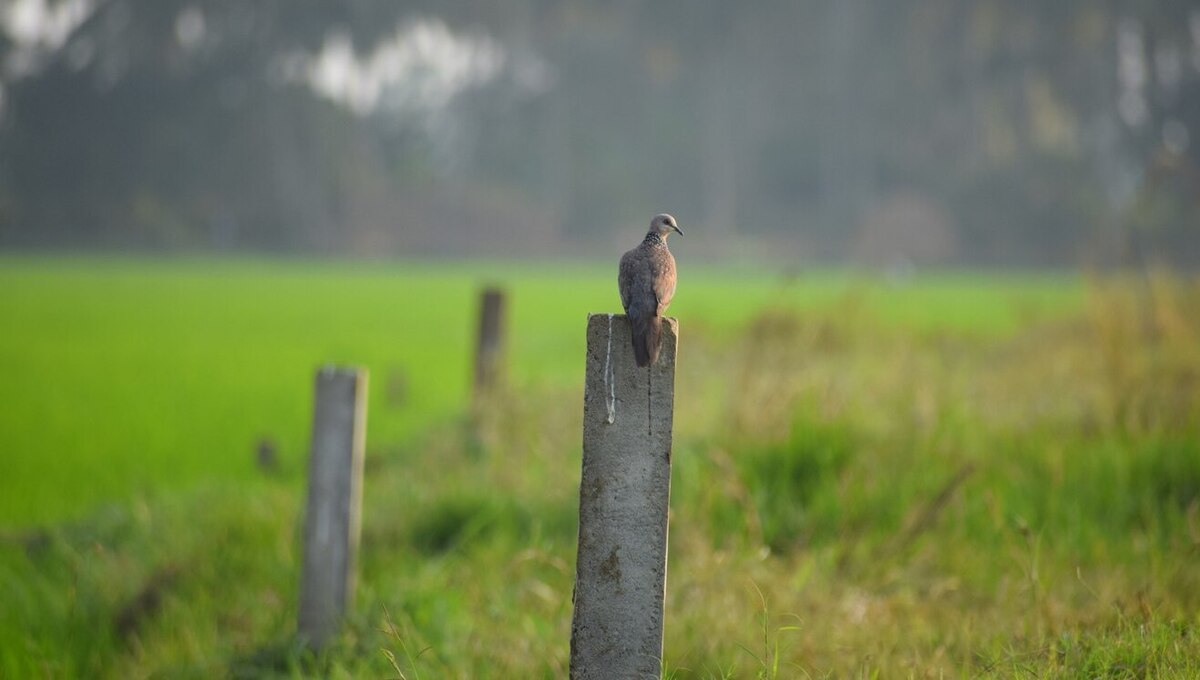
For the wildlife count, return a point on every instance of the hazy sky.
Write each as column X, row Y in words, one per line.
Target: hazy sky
column 36, row 23
column 422, row 67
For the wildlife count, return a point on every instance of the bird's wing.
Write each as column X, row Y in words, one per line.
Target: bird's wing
column 663, row 276
column 626, row 276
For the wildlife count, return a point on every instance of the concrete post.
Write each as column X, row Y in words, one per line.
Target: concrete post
column 624, row 491
column 489, row 348
column 332, row 519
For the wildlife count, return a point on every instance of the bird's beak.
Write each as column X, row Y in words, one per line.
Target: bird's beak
column 677, row 229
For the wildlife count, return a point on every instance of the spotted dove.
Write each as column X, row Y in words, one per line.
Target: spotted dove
column 646, row 280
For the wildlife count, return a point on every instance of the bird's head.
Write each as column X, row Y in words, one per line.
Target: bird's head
column 663, row 225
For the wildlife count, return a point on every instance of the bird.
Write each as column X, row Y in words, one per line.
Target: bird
column 646, row 281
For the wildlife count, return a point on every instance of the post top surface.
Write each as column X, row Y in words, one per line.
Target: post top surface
column 668, row 320
column 336, row 369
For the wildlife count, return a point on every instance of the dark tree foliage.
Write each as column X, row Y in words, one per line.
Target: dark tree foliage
column 999, row 132
column 126, row 137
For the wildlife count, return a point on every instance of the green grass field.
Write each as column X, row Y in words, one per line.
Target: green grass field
column 957, row 475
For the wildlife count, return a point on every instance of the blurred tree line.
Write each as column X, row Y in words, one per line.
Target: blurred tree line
column 1005, row 132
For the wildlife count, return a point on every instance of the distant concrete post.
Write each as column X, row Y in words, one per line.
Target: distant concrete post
column 624, row 492
column 332, row 519
column 489, row 348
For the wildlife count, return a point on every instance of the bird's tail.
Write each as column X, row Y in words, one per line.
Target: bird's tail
column 647, row 338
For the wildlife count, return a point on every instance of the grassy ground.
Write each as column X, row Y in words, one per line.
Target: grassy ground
column 956, row 476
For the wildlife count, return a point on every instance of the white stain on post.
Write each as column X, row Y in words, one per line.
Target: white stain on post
column 332, row 517
column 609, row 382
column 624, row 493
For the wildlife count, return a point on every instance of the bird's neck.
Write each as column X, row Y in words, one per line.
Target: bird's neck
column 655, row 239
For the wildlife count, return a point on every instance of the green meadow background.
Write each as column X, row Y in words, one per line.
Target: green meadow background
column 127, row 377
column 946, row 474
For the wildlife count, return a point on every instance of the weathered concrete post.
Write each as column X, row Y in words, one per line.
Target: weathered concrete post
column 332, row 519
column 624, row 492
column 489, row 347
